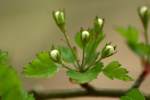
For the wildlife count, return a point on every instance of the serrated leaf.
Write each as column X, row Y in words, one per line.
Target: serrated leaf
column 10, row 84
column 41, row 66
column 140, row 49
column 114, row 71
column 131, row 34
column 85, row 77
column 66, row 54
column 134, row 94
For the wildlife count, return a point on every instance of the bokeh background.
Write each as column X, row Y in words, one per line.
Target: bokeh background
column 27, row 27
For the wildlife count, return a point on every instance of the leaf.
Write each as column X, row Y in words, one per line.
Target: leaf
column 140, row 49
column 66, row 54
column 131, row 34
column 114, row 70
column 10, row 84
column 41, row 66
column 134, row 94
column 17, row 94
column 91, row 47
column 87, row 76
column 78, row 39
column 3, row 57
column 96, row 36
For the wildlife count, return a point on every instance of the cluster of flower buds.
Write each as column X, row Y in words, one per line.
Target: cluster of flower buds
column 144, row 14
column 59, row 17
column 55, row 55
column 108, row 50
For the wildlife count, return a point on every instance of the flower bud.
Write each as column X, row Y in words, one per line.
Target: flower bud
column 108, row 50
column 85, row 36
column 98, row 24
column 59, row 17
column 55, row 55
column 143, row 10
column 144, row 15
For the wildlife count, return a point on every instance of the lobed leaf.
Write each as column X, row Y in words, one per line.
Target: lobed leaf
column 114, row 71
column 140, row 49
column 41, row 66
column 87, row 76
column 131, row 34
column 10, row 84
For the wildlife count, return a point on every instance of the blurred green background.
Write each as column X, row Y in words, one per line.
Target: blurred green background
column 27, row 27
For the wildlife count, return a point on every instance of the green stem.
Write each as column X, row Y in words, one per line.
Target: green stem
column 146, row 36
column 63, row 65
column 83, row 58
column 146, row 39
column 69, row 45
column 98, row 60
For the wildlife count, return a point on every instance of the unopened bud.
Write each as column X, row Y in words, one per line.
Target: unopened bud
column 59, row 17
column 108, row 50
column 98, row 24
column 143, row 10
column 55, row 55
column 144, row 15
column 85, row 35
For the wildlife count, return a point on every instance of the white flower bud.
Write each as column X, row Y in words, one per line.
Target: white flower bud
column 59, row 17
column 110, row 49
column 143, row 10
column 100, row 21
column 55, row 55
column 85, row 35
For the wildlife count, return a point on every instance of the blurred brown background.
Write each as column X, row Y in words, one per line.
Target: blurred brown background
column 27, row 27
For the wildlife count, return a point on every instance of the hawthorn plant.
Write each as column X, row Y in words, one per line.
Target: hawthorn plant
column 82, row 70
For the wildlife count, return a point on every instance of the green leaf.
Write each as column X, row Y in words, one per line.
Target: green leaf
column 87, row 76
column 78, row 39
column 131, row 34
column 17, row 94
column 66, row 54
column 10, row 83
column 140, row 49
column 114, row 70
column 41, row 66
column 91, row 47
column 3, row 57
column 134, row 94
column 96, row 36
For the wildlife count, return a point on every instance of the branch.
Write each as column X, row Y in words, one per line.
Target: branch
column 73, row 93
column 140, row 80
column 142, row 76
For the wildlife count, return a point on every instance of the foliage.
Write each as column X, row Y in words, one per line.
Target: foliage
column 133, row 94
column 131, row 34
column 41, row 66
column 79, row 70
column 89, row 67
column 114, row 70
column 10, row 83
